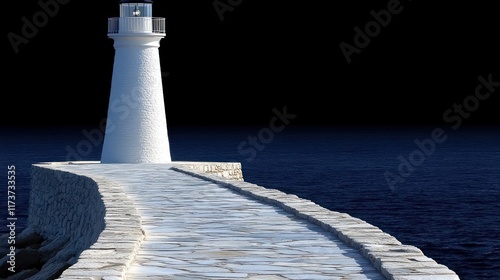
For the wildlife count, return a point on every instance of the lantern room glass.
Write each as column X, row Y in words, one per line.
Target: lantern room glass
column 136, row 10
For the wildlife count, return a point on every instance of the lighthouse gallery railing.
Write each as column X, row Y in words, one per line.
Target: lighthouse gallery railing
column 136, row 25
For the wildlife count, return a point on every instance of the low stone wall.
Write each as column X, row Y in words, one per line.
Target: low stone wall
column 227, row 170
column 63, row 203
column 390, row 257
column 100, row 221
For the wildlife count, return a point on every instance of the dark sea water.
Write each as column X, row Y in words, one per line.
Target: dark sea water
column 448, row 204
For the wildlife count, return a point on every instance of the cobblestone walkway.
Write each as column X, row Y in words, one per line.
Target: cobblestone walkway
column 196, row 229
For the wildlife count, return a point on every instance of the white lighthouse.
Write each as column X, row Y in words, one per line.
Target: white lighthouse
column 136, row 130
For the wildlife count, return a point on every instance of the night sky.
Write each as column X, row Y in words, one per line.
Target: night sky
column 234, row 66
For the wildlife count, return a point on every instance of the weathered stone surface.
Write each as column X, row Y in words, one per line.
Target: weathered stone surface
column 53, row 258
column 27, row 259
column 51, row 247
column 81, row 209
column 227, row 170
column 190, row 246
column 29, row 240
column 377, row 246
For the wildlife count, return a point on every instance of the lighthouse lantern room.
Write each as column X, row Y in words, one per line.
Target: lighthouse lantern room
column 136, row 9
column 136, row 17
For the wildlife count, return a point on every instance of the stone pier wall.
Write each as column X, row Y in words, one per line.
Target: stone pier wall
column 63, row 203
column 90, row 221
column 102, row 233
column 227, row 170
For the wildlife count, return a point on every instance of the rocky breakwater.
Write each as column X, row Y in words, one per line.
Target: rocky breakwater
column 66, row 217
column 32, row 253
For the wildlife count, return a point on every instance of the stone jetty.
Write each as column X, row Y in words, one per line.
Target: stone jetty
column 188, row 220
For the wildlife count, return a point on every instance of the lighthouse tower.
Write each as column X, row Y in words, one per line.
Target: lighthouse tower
column 136, row 130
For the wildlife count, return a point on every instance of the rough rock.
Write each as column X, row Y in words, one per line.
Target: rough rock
column 27, row 258
column 25, row 274
column 37, row 258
